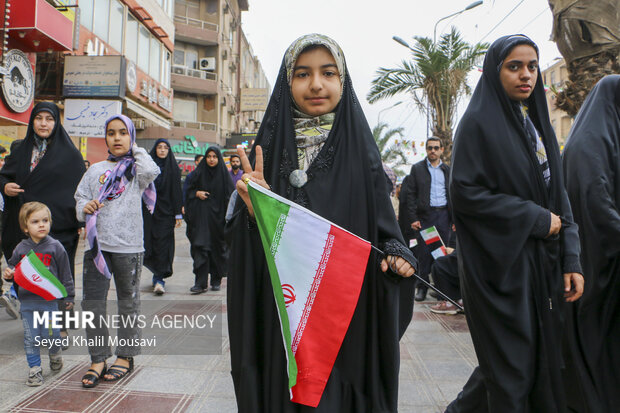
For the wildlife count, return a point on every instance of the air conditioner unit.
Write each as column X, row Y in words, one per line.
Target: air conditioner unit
column 207, row 63
column 178, row 70
column 140, row 124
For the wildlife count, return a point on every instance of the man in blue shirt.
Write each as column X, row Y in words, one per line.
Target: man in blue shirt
column 427, row 204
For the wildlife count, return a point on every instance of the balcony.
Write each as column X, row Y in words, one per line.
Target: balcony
column 202, row 131
column 195, row 31
column 188, row 80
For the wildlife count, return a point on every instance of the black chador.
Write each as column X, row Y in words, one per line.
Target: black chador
column 511, row 271
column 346, row 185
column 592, row 174
column 206, row 219
column 159, row 227
column 52, row 181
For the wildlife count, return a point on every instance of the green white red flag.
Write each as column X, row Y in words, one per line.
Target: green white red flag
column 317, row 270
column 430, row 235
column 32, row 275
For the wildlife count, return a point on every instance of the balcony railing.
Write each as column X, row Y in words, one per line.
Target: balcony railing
column 195, row 125
column 200, row 74
column 200, row 24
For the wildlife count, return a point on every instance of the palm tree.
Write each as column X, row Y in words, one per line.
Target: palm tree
column 391, row 153
column 436, row 75
column 587, row 34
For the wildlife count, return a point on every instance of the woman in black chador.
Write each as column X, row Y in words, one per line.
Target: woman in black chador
column 205, row 212
column 592, row 174
column 159, row 227
column 46, row 167
column 320, row 153
column 518, row 248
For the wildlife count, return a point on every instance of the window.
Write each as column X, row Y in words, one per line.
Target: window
column 131, row 40
column 117, row 17
column 143, row 49
column 191, row 59
column 155, row 59
column 86, row 13
column 185, row 110
column 165, row 73
column 187, row 8
column 179, row 57
column 102, row 22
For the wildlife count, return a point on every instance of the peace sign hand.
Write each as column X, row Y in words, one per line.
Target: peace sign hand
column 253, row 175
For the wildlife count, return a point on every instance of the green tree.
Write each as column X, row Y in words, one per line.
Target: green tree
column 391, row 154
column 436, row 78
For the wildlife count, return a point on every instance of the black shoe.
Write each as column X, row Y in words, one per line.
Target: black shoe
column 197, row 290
column 421, row 294
column 434, row 294
column 215, row 288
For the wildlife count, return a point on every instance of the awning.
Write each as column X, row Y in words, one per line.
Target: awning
column 148, row 114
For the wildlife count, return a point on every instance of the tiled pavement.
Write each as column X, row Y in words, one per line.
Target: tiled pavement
column 436, row 359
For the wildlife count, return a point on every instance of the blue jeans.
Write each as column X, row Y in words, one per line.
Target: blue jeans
column 33, row 335
column 158, row 279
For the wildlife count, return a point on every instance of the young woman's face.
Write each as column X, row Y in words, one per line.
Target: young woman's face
column 315, row 84
column 212, row 159
column 43, row 124
column 162, row 150
column 117, row 138
column 519, row 72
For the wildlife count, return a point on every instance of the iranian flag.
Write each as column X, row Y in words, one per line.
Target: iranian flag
column 32, row 275
column 430, row 235
column 317, row 270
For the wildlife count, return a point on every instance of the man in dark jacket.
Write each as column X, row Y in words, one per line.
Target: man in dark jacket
column 426, row 192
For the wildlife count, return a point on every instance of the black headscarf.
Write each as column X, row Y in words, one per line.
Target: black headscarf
column 346, row 185
column 511, row 274
column 168, row 182
column 53, row 181
column 592, row 171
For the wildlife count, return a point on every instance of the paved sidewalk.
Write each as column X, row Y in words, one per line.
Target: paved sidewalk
column 437, row 357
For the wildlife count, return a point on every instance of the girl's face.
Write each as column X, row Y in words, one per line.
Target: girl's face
column 212, row 159
column 519, row 72
column 315, row 84
column 162, row 150
column 117, row 138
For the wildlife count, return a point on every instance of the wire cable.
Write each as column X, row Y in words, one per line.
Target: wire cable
column 501, row 21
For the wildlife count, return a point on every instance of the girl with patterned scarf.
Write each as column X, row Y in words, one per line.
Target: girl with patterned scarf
column 109, row 198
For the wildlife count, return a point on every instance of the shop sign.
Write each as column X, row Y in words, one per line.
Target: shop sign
column 189, row 147
column 94, row 76
column 150, row 92
column 254, row 99
column 86, row 117
column 18, row 81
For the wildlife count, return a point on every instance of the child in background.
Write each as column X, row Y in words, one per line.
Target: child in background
column 109, row 198
column 35, row 219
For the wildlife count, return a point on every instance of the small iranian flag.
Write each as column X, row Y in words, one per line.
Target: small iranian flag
column 430, row 235
column 32, row 275
column 316, row 270
column 439, row 252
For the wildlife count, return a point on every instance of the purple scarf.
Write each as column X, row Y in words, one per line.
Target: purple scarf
column 121, row 175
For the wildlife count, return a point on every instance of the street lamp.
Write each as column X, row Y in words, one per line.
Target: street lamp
column 471, row 6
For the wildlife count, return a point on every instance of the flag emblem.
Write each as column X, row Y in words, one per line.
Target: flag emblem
column 32, row 275
column 289, row 294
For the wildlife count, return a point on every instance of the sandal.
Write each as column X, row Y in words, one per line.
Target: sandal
column 93, row 376
column 118, row 371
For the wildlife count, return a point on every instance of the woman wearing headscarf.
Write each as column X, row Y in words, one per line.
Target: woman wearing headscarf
column 159, row 227
column 592, row 174
column 318, row 152
column 47, row 168
column 518, row 248
column 205, row 212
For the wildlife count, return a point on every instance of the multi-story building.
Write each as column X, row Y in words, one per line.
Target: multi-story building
column 208, row 73
column 554, row 77
column 31, row 29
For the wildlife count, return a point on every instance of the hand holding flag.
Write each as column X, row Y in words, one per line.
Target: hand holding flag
column 31, row 274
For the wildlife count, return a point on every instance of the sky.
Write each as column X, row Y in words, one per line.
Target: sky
column 364, row 30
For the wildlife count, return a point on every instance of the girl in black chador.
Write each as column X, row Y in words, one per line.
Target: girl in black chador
column 592, row 174
column 205, row 212
column 159, row 227
column 319, row 152
column 518, row 248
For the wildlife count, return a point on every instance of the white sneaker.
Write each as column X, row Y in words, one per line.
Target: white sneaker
column 10, row 304
column 159, row 289
column 35, row 377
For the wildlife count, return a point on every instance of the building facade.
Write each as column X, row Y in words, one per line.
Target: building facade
column 210, row 67
column 555, row 76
